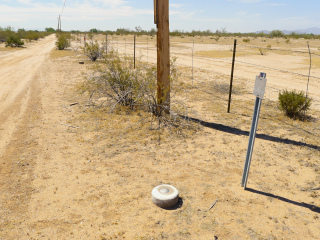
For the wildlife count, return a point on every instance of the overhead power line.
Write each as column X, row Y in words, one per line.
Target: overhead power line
column 63, row 7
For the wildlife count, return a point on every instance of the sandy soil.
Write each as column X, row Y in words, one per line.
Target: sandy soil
column 215, row 57
column 73, row 172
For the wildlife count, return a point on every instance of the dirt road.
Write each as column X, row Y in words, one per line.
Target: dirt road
column 19, row 96
column 17, row 85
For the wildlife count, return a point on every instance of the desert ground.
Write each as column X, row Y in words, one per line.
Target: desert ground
column 72, row 171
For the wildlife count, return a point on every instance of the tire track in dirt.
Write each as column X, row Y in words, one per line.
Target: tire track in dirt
column 19, row 108
column 16, row 74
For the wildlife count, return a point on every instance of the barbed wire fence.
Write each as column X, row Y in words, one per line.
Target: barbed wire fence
column 258, row 66
column 301, row 75
column 269, row 100
column 146, row 47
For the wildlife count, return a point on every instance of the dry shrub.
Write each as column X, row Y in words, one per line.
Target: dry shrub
column 93, row 51
column 117, row 86
column 262, row 51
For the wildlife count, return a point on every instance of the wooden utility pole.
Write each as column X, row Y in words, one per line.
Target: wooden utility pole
column 58, row 24
column 163, row 55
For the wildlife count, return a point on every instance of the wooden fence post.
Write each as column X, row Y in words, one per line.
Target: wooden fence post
column 163, row 55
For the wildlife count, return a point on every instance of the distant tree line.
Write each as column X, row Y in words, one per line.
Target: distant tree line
column 15, row 38
column 218, row 33
column 9, row 33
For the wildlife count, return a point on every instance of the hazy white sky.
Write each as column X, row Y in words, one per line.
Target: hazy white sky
column 234, row 15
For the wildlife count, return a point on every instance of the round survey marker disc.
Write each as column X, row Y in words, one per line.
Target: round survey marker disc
column 165, row 196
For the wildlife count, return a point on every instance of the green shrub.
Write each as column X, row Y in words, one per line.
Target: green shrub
column 92, row 50
column 63, row 41
column 8, row 32
column 30, row 35
column 5, row 33
column 35, row 36
column 246, row 40
column 2, row 36
column 293, row 103
column 14, row 41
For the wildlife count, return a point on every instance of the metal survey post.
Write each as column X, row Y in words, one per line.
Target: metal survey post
column 232, row 72
column 258, row 91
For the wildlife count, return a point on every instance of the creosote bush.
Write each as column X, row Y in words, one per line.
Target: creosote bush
column 115, row 80
column 92, row 50
column 14, row 41
column 293, row 103
column 115, row 84
column 63, row 41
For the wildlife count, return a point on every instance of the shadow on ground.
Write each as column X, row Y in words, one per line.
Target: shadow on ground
column 300, row 204
column 177, row 206
column 237, row 131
